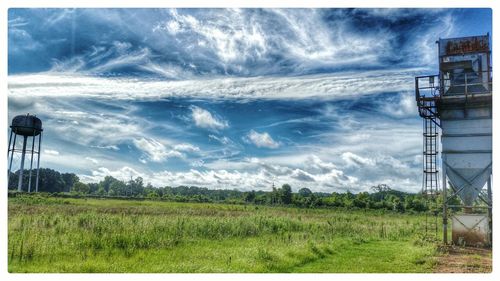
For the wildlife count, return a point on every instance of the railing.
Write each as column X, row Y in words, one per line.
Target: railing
column 426, row 87
column 453, row 84
column 466, row 83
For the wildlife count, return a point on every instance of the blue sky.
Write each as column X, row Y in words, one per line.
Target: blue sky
column 238, row 98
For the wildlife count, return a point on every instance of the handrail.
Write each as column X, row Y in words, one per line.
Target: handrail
column 466, row 83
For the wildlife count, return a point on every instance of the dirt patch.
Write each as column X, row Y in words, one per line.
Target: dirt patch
column 469, row 238
column 453, row 259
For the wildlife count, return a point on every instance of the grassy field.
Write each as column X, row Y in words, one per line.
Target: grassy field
column 102, row 235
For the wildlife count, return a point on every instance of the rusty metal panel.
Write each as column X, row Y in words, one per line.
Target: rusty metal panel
column 470, row 229
column 464, row 45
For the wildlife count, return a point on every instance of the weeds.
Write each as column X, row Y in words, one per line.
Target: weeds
column 43, row 229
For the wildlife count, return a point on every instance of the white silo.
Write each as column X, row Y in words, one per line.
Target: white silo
column 459, row 101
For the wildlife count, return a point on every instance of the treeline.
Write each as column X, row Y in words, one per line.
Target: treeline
column 381, row 197
column 49, row 180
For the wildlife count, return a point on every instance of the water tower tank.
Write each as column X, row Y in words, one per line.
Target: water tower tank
column 26, row 125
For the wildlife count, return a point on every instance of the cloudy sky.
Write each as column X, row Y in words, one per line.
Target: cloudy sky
column 231, row 98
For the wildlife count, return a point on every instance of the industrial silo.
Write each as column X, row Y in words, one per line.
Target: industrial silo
column 459, row 101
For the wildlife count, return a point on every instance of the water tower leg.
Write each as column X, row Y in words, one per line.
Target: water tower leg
column 38, row 161
column 8, row 151
column 10, row 141
column 20, row 182
column 445, row 206
column 31, row 163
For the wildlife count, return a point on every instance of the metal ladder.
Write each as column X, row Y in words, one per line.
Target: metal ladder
column 430, row 151
column 430, row 182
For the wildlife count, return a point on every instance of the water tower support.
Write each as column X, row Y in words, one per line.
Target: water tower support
column 38, row 162
column 23, row 154
column 11, row 156
column 31, row 164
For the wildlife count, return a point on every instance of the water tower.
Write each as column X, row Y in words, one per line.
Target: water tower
column 459, row 101
column 29, row 127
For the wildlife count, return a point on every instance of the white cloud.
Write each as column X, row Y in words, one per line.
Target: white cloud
column 366, row 135
column 403, row 105
column 100, row 60
column 186, row 147
column 124, row 174
column 315, row 164
column 204, row 119
column 154, row 150
column 223, row 140
column 355, row 160
column 231, row 36
column 93, row 160
column 261, row 178
column 262, row 139
column 51, row 152
column 331, row 44
column 324, row 86
column 301, row 170
column 197, row 163
column 111, row 147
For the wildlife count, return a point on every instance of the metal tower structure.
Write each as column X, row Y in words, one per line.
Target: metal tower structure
column 459, row 101
column 29, row 127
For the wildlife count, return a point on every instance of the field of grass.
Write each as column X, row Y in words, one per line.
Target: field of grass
column 102, row 235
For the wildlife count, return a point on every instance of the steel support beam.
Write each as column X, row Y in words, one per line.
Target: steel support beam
column 445, row 205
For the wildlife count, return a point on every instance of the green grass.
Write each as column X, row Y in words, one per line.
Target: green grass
column 92, row 235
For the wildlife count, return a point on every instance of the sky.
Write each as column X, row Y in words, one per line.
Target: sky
column 231, row 98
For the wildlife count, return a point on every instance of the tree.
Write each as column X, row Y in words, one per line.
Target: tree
column 117, row 188
column 274, row 196
column 135, row 187
column 398, row 206
column 69, row 181
column 249, row 196
column 100, row 191
column 305, row 192
column 106, row 183
column 361, row 200
column 381, row 191
column 416, row 203
column 381, row 188
column 80, row 187
column 94, row 187
column 286, row 194
column 152, row 195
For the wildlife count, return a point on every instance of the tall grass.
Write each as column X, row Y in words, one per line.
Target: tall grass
column 43, row 230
